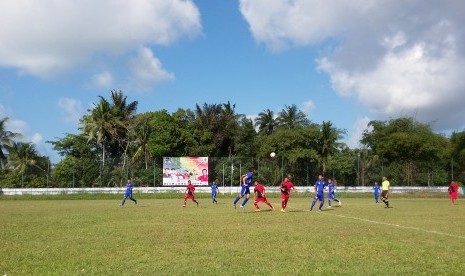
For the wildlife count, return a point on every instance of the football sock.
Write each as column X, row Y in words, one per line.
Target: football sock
column 313, row 204
column 237, row 199
column 245, row 201
column 321, row 205
column 122, row 202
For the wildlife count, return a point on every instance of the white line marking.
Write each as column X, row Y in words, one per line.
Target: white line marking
column 401, row 226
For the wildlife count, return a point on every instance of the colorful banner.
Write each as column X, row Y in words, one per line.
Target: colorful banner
column 177, row 170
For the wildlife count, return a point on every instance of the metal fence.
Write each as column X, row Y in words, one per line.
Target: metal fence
column 113, row 172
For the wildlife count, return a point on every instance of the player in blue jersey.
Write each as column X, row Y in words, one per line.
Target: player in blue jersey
column 376, row 190
column 128, row 192
column 320, row 185
column 214, row 192
column 247, row 180
column 331, row 193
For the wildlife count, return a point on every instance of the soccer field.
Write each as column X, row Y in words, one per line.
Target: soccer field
column 159, row 237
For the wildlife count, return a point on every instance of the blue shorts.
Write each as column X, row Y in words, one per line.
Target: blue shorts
column 213, row 194
column 245, row 190
column 320, row 197
column 128, row 194
column 331, row 196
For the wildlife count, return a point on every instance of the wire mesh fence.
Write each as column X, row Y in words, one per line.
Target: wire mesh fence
column 113, row 172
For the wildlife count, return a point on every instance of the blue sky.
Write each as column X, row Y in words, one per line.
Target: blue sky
column 347, row 62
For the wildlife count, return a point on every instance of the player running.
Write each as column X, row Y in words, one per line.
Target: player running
column 128, row 192
column 320, row 185
column 286, row 187
column 190, row 193
column 214, row 192
column 245, row 190
column 376, row 189
column 259, row 196
column 331, row 193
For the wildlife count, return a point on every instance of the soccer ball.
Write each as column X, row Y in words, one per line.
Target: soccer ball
column 272, row 154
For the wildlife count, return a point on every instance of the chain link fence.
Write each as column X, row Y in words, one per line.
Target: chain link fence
column 113, row 172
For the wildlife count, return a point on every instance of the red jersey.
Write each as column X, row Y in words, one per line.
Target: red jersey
column 203, row 178
column 286, row 187
column 453, row 188
column 190, row 189
column 260, row 190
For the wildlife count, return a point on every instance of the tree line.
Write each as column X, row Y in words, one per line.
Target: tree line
column 114, row 141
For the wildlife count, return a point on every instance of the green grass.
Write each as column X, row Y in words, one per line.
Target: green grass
column 423, row 236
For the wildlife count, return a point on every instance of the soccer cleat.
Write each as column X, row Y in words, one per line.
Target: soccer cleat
column 340, row 203
column 184, row 206
column 234, row 206
column 328, row 207
column 258, row 210
column 283, row 211
column 242, row 207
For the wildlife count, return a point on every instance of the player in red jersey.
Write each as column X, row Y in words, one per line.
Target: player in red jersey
column 190, row 193
column 286, row 187
column 259, row 192
column 453, row 192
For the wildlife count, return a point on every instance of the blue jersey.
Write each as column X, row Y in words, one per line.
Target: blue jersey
column 248, row 179
column 376, row 189
column 129, row 187
column 331, row 188
column 320, row 186
column 214, row 188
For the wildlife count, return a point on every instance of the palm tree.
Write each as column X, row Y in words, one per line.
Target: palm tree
column 6, row 140
column 142, row 134
column 100, row 124
column 327, row 142
column 217, row 125
column 21, row 156
column 290, row 117
column 266, row 122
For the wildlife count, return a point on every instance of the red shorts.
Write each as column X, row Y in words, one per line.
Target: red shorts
column 189, row 196
column 261, row 199
column 454, row 195
column 284, row 196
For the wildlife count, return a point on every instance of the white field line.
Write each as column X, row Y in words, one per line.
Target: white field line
column 399, row 226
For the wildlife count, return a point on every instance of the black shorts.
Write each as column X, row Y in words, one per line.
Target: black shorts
column 384, row 194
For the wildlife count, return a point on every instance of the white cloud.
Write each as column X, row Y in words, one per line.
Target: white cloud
column 396, row 58
column 103, row 79
column 72, row 109
column 36, row 139
column 17, row 126
column 353, row 141
column 147, row 70
column 43, row 38
column 307, row 107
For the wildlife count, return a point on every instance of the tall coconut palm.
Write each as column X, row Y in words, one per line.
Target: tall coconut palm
column 142, row 133
column 230, row 121
column 266, row 122
column 21, row 156
column 291, row 117
column 7, row 139
column 100, row 124
column 328, row 142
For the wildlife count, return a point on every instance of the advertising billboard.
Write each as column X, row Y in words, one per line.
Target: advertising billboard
column 177, row 170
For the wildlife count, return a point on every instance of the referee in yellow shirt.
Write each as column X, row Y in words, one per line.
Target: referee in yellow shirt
column 385, row 191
